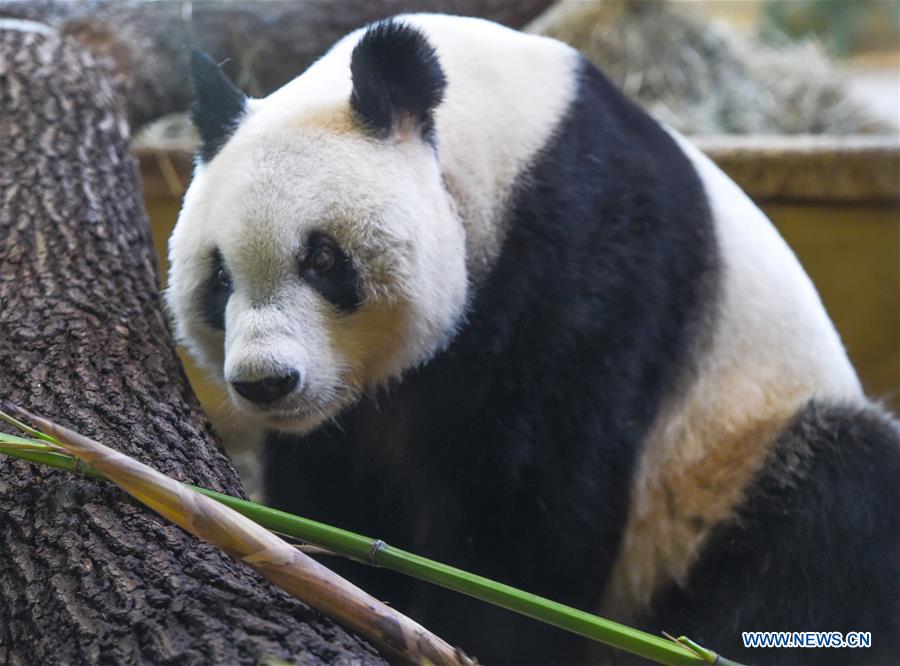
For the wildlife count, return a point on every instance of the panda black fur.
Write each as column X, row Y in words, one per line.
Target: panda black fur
column 633, row 402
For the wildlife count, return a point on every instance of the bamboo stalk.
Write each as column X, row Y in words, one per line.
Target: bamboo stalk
column 248, row 542
column 676, row 652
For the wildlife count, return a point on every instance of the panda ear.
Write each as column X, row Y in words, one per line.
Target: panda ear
column 397, row 80
column 218, row 105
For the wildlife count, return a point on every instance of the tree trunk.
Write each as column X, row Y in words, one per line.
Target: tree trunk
column 86, row 574
column 143, row 44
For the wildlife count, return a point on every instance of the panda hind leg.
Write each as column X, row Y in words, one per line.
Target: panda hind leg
column 815, row 547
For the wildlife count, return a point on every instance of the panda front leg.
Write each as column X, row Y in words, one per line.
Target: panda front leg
column 814, row 546
column 317, row 477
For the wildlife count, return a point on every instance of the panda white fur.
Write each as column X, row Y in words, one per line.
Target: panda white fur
column 494, row 313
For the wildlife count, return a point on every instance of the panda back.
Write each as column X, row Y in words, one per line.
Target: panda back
column 769, row 350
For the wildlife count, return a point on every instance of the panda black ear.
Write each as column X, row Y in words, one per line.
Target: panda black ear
column 397, row 80
column 218, row 105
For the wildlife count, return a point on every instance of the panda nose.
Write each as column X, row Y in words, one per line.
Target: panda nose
column 268, row 389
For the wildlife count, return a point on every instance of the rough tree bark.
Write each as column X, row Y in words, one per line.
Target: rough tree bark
column 143, row 44
column 86, row 575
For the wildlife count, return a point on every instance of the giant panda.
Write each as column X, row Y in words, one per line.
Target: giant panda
column 490, row 311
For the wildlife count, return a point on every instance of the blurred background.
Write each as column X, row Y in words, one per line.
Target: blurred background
column 797, row 100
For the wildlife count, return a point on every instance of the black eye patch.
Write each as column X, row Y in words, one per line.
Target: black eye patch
column 215, row 292
column 328, row 269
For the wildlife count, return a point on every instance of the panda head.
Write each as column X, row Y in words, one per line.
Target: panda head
column 317, row 254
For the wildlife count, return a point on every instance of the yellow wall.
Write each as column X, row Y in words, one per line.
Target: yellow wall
column 852, row 254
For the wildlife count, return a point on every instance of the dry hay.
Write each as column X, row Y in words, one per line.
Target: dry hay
column 703, row 78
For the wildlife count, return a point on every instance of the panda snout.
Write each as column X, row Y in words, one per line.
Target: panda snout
column 268, row 389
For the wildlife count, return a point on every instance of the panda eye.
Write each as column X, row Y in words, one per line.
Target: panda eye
column 328, row 269
column 323, row 258
column 213, row 295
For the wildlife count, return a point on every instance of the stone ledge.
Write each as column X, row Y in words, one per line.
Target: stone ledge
column 819, row 168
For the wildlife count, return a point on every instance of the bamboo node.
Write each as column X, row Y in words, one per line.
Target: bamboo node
column 377, row 546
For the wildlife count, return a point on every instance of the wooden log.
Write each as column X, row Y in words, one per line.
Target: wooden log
column 87, row 575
